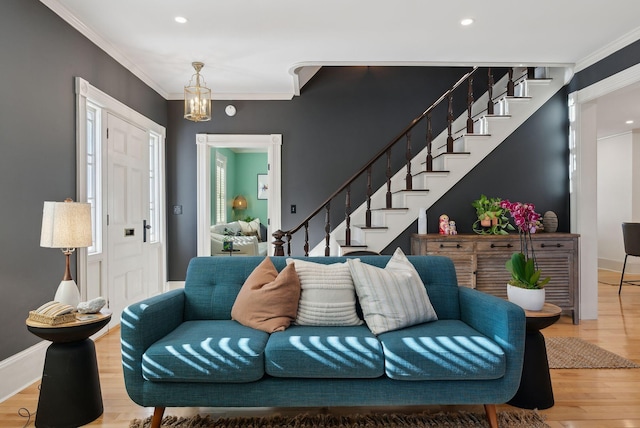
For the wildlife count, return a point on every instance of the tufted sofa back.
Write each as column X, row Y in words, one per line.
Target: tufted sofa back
column 213, row 283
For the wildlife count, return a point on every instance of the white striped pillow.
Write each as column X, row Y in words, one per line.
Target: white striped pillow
column 327, row 294
column 393, row 297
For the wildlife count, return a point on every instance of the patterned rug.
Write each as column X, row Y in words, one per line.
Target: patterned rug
column 516, row 419
column 574, row 353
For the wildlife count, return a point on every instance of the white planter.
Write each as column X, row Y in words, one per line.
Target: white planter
column 529, row 299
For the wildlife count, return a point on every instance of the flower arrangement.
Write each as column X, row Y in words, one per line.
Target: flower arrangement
column 524, row 269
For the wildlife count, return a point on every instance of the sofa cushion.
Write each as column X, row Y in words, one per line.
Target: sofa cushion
column 393, row 297
column 327, row 296
column 268, row 300
column 442, row 350
column 207, row 351
column 324, row 352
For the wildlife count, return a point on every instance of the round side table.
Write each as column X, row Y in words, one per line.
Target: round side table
column 535, row 391
column 70, row 393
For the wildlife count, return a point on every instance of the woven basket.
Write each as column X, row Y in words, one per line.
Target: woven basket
column 49, row 320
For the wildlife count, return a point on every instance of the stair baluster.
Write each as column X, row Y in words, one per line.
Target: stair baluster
column 511, row 87
column 369, row 194
column 389, row 175
column 469, row 105
column 347, row 214
column 327, row 230
column 450, row 123
column 429, row 164
column 490, row 84
column 408, row 178
column 306, row 239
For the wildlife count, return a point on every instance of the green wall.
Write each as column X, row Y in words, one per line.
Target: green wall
column 248, row 166
column 242, row 179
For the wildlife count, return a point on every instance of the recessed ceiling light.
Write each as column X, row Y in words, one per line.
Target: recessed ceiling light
column 180, row 19
column 629, row 122
column 466, row 21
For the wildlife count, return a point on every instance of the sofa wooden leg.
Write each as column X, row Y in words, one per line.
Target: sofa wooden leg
column 157, row 417
column 492, row 416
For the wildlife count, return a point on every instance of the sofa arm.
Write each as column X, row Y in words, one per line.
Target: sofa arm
column 501, row 321
column 141, row 325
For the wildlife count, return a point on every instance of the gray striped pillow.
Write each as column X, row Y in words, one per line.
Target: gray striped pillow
column 393, row 297
column 327, row 294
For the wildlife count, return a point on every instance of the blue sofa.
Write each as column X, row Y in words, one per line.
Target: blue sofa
column 181, row 348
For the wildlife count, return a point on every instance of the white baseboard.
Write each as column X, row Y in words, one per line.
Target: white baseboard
column 633, row 267
column 21, row 370
column 174, row 285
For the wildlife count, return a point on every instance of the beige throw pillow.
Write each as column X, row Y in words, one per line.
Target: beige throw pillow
column 393, row 297
column 268, row 301
column 327, row 294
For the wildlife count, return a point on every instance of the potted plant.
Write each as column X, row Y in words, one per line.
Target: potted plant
column 491, row 217
column 525, row 288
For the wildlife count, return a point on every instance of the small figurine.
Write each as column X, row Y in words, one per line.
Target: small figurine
column 444, row 224
column 452, row 228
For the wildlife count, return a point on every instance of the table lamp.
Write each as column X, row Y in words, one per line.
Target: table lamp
column 66, row 225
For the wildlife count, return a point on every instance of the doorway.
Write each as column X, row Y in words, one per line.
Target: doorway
column 119, row 160
column 271, row 144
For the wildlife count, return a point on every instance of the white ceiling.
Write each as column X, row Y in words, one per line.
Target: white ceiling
column 252, row 49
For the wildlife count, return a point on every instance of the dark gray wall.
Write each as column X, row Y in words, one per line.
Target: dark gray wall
column 39, row 57
column 607, row 67
column 344, row 116
column 351, row 111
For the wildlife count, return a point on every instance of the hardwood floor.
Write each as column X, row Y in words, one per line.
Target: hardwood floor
column 584, row 398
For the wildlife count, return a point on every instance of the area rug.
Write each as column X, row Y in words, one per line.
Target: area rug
column 574, row 353
column 517, row 419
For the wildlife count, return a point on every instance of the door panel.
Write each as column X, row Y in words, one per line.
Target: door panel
column 127, row 208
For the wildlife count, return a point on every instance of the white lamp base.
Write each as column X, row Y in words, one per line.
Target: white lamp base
column 68, row 293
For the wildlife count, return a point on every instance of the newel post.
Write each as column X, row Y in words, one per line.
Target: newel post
column 278, row 243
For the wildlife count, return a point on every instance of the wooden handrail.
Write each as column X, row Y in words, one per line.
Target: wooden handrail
column 278, row 235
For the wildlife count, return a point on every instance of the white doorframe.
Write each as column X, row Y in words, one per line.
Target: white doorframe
column 583, row 167
column 272, row 143
column 85, row 92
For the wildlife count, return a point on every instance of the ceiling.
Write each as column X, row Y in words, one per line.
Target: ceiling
column 268, row 49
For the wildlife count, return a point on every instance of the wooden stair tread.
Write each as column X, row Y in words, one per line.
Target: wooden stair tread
column 389, row 209
column 410, row 190
column 363, row 227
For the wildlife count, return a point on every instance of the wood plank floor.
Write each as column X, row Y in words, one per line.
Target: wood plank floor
column 584, row 398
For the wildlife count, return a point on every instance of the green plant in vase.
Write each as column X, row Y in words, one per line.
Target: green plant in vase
column 525, row 288
column 492, row 219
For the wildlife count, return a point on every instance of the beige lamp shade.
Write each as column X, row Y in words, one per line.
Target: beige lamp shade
column 66, row 225
column 239, row 203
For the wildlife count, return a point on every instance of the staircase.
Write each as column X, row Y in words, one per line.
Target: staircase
column 428, row 175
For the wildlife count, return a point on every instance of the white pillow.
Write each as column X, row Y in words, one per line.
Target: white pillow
column 251, row 226
column 327, row 294
column 393, row 297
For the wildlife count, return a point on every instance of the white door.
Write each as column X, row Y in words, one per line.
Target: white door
column 127, row 213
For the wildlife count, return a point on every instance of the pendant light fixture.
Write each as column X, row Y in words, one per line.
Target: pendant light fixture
column 197, row 98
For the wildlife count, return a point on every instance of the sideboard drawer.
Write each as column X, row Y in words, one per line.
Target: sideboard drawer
column 498, row 245
column 450, row 246
column 553, row 245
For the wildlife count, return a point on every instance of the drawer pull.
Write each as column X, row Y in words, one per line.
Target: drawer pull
column 450, row 246
column 558, row 245
column 501, row 246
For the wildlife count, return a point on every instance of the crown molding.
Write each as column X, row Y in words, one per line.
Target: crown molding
column 607, row 50
column 96, row 39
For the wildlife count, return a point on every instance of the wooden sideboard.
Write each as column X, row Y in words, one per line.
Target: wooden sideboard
column 480, row 260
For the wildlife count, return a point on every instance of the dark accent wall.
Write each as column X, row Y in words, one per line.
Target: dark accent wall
column 40, row 57
column 531, row 165
column 607, row 67
column 343, row 117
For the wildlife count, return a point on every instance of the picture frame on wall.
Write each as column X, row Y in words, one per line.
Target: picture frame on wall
column 263, row 186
